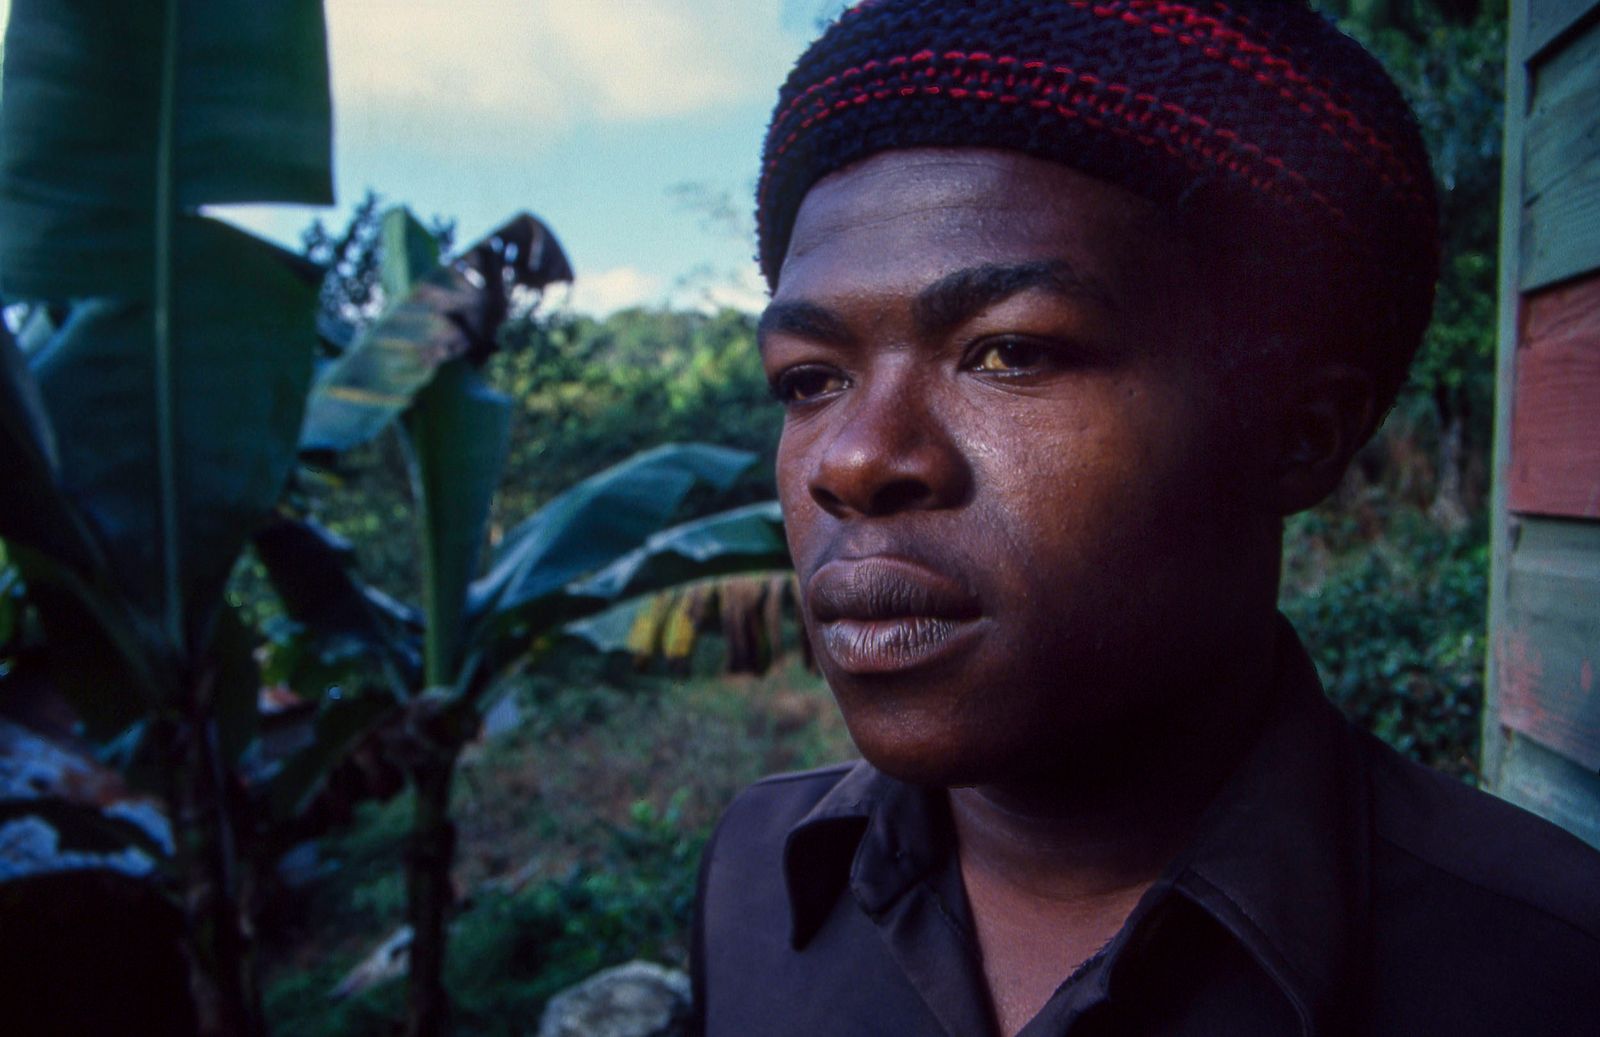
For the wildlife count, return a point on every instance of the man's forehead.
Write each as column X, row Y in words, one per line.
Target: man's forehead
column 972, row 216
column 938, row 186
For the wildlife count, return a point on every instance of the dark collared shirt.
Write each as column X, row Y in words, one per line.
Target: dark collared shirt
column 1334, row 888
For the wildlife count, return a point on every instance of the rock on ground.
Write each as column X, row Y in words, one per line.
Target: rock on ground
column 638, row 999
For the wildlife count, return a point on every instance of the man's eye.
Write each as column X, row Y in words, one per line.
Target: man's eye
column 1010, row 355
column 799, row 384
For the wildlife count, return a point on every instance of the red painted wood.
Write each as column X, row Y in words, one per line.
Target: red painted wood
column 1549, row 697
column 1546, row 648
column 1555, row 422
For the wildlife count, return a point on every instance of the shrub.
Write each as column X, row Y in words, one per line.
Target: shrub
column 1396, row 628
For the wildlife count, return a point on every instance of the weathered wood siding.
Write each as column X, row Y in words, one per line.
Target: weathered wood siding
column 1542, row 724
column 1555, row 416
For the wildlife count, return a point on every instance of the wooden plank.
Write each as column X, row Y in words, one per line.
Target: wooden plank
column 1547, row 20
column 1547, row 655
column 1492, row 743
column 1551, row 786
column 1561, row 176
column 1555, row 417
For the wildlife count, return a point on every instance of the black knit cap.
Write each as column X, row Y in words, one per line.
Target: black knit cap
column 1263, row 101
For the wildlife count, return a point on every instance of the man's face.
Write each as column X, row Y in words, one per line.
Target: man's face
column 1010, row 469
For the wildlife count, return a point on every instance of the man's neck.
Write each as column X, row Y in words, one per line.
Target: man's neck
column 1054, row 863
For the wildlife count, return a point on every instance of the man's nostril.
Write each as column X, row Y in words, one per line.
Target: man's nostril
column 828, row 500
column 900, row 495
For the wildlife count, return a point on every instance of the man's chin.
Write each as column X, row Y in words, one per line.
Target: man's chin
column 927, row 761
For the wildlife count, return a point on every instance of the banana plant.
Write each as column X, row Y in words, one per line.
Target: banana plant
column 152, row 421
column 748, row 611
column 608, row 538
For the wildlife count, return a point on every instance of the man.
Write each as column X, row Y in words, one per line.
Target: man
column 1073, row 302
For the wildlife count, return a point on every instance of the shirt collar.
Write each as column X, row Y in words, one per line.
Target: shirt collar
column 1280, row 860
column 870, row 833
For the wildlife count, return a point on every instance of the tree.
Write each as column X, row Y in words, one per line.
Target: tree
column 352, row 291
column 152, row 421
column 1448, row 57
column 419, row 365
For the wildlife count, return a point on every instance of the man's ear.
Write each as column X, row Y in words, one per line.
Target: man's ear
column 1322, row 422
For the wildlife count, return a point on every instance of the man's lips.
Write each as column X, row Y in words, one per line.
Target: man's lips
column 884, row 614
column 885, row 587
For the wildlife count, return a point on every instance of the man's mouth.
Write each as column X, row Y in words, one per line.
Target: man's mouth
column 884, row 614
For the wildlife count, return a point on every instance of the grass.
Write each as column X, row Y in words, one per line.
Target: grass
column 579, row 839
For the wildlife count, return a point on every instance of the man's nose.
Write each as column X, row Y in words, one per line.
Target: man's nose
column 890, row 453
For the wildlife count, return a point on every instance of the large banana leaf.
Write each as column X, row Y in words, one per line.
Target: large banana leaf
column 595, row 522
column 94, row 652
column 310, row 569
column 236, row 684
column 746, row 539
column 33, row 511
column 740, row 540
column 456, row 431
column 118, row 115
column 342, row 723
column 238, row 366
column 410, row 253
column 435, row 314
column 378, row 375
column 29, row 440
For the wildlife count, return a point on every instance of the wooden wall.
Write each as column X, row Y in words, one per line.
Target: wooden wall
column 1542, row 725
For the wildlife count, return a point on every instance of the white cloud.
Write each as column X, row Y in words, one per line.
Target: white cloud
column 616, row 289
column 634, row 61
column 709, row 291
column 554, row 62
column 426, row 56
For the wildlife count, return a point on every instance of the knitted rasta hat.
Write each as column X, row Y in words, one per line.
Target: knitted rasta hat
column 1261, row 104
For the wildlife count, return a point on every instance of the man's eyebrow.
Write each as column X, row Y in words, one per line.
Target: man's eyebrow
column 956, row 298
column 804, row 320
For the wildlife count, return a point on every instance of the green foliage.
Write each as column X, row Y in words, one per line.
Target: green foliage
column 420, row 362
column 353, row 291
column 144, row 462
column 154, row 408
column 434, row 312
column 174, row 514
column 589, row 393
column 585, row 532
column 1450, row 64
column 1396, row 626
column 512, row 951
column 580, row 835
column 629, row 903
column 165, row 461
column 456, row 434
column 366, row 502
column 594, row 391
column 120, row 116
column 1391, row 603
column 299, row 1007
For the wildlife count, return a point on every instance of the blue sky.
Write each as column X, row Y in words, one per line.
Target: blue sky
column 590, row 113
